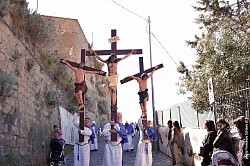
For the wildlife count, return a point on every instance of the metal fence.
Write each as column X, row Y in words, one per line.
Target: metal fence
column 234, row 103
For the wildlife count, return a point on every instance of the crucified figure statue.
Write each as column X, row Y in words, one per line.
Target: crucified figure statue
column 112, row 77
column 143, row 91
column 80, row 84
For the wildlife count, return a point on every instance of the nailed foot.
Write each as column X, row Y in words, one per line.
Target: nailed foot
column 113, row 107
column 81, row 106
column 144, row 115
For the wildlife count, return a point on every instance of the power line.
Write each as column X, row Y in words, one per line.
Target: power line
column 146, row 30
column 165, row 49
column 129, row 10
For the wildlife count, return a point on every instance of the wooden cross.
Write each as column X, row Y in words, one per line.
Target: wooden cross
column 81, row 112
column 141, row 65
column 117, row 52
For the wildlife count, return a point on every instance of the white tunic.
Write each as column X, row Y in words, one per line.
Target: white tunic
column 129, row 145
column 82, row 150
column 94, row 146
column 144, row 149
column 112, row 150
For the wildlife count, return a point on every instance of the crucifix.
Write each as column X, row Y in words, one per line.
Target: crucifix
column 142, row 71
column 74, row 66
column 111, row 75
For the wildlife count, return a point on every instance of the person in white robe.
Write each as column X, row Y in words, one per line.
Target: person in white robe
column 129, row 146
column 113, row 149
column 81, row 149
column 144, row 148
column 96, row 130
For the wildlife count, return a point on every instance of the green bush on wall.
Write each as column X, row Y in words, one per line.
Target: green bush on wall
column 8, row 160
column 30, row 64
column 51, row 97
column 103, row 106
column 8, row 83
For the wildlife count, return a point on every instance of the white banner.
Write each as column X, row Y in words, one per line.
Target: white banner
column 69, row 131
column 113, row 39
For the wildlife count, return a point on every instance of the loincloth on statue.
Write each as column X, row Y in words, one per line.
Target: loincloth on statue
column 143, row 95
column 81, row 86
column 111, row 82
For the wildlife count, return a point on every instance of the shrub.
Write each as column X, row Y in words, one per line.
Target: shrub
column 103, row 106
column 39, row 29
column 8, row 82
column 51, row 97
column 29, row 64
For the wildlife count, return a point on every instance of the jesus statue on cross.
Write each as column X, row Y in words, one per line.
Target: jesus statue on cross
column 112, row 77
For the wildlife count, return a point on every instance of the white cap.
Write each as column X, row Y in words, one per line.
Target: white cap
column 93, row 121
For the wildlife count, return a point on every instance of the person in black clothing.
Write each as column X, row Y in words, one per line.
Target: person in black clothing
column 241, row 125
column 223, row 140
column 208, row 142
column 170, row 125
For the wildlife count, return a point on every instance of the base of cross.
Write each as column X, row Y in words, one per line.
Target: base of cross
column 81, row 110
column 113, row 117
column 81, row 123
column 144, row 119
column 145, row 126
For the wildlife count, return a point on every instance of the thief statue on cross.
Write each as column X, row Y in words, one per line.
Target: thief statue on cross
column 80, row 84
column 143, row 90
column 112, row 77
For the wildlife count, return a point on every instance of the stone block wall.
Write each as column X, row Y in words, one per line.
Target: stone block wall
column 26, row 120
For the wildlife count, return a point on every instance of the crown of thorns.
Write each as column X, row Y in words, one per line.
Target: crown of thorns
column 113, row 55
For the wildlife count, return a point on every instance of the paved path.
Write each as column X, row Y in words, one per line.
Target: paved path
column 96, row 157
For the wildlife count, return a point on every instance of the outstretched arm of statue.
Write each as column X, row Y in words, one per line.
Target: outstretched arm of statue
column 132, row 52
column 133, row 77
column 94, row 72
column 152, row 72
column 97, row 56
column 67, row 63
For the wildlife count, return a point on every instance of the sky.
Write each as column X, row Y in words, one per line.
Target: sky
column 171, row 24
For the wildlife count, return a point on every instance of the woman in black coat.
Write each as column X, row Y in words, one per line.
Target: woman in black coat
column 208, row 142
column 223, row 140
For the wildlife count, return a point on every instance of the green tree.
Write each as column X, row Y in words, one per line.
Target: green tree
column 223, row 50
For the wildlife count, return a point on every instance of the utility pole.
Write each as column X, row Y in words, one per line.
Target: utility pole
column 152, row 84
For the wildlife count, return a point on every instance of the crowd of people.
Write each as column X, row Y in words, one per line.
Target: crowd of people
column 218, row 146
column 113, row 149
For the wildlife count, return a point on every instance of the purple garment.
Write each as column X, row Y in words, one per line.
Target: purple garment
column 122, row 133
column 129, row 129
column 96, row 128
